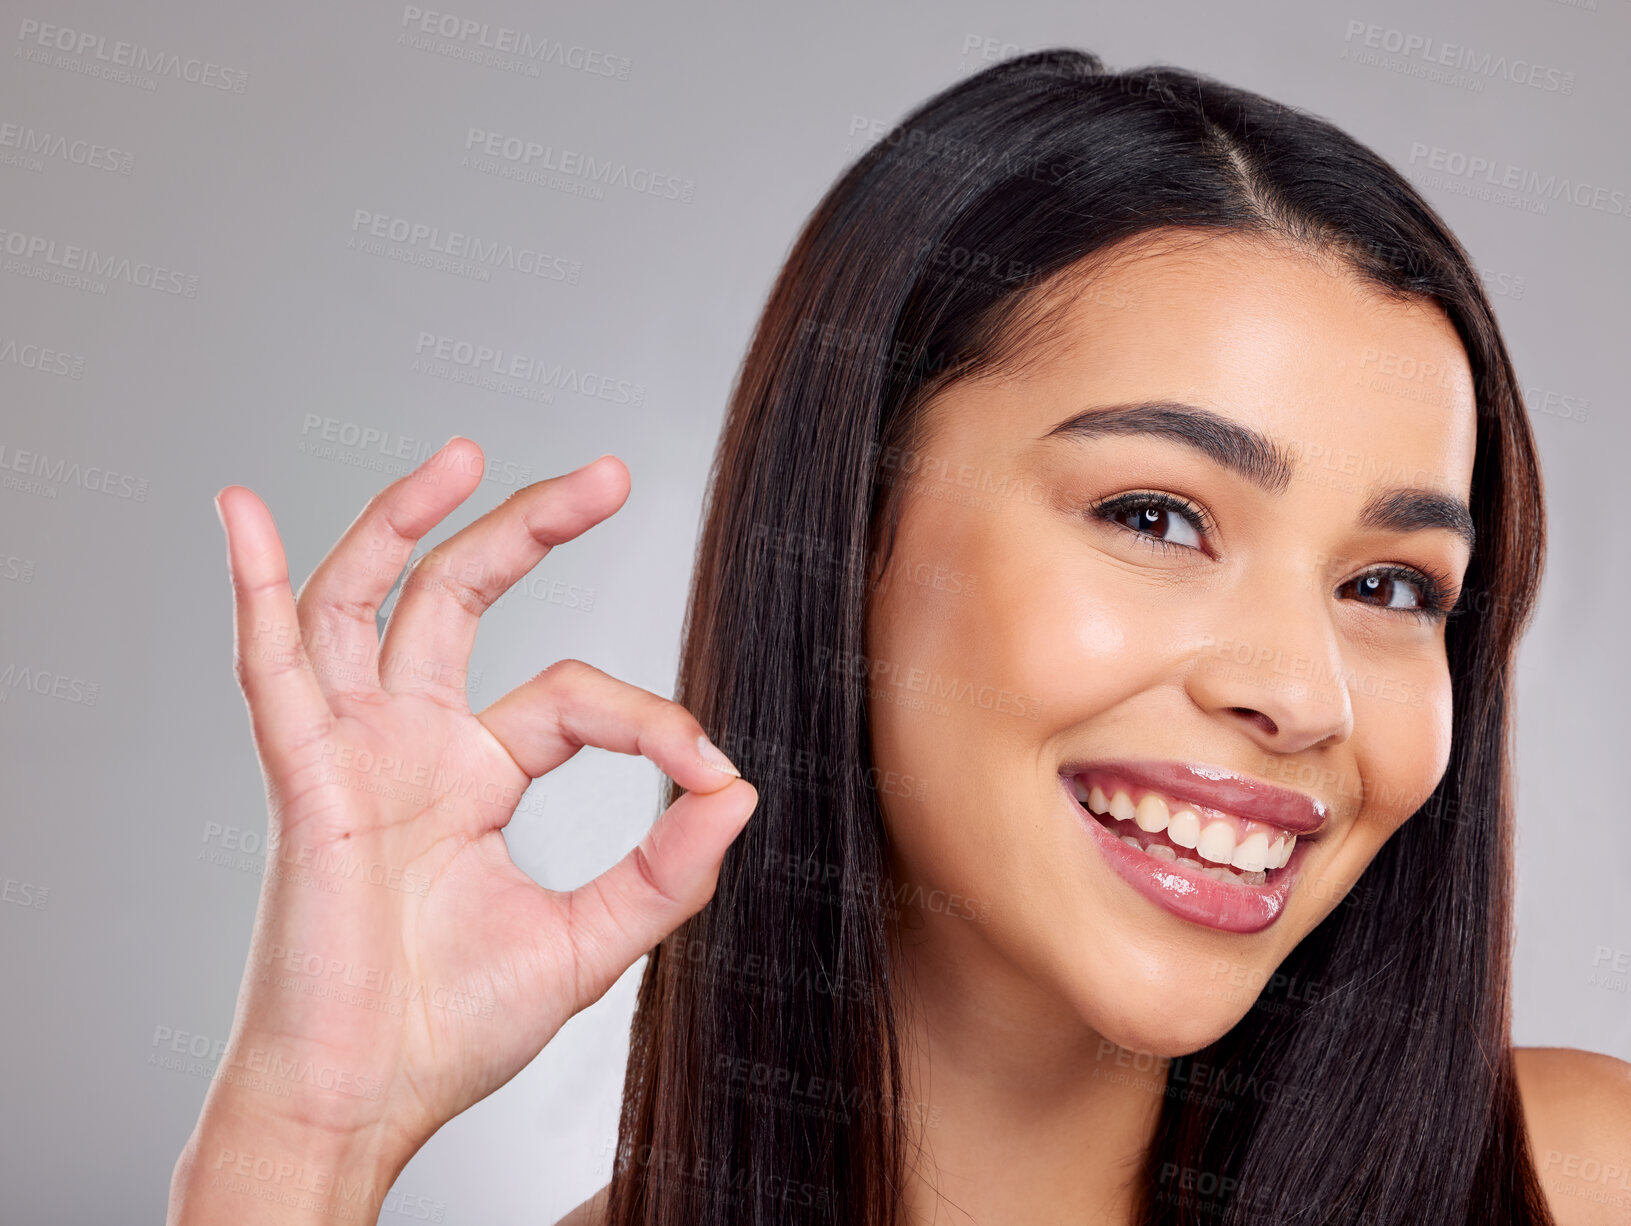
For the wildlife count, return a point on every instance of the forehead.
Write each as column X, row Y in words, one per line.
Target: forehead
column 1296, row 348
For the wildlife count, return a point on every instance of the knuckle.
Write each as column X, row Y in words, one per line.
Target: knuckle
column 646, row 871
column 253, row 592
column 682, row 722
column 435, row 573
column 330, row 616
column 570, row 673
column 420, row 570
column 263, row 656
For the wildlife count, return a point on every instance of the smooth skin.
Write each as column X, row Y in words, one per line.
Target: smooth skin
column 483, row 964
column 1045, row 989
column 1035, row 1030
column 1019, row 1022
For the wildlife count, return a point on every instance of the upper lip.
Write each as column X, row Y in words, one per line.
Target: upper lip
column 1217, row 788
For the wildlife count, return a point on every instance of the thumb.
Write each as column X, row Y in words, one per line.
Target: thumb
column 664, row 880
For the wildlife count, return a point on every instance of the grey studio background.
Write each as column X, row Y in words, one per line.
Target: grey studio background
column 270, row 313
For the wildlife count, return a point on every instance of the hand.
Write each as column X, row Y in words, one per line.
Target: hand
column 402, row 967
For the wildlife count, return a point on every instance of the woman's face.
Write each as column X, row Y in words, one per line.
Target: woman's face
column 1212, row 621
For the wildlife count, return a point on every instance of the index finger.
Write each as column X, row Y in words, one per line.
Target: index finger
column 543, row 722
column 432, row 630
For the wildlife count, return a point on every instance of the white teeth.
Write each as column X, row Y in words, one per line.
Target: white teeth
column 1280, row 851
column 1276, row 853
column 1151, row 814
column 1185, row 828
column 1218, row 872
column 1217, row 843
column 1252, row 854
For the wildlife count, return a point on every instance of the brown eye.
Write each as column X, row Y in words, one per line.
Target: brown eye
column 1161, row 518
column 1400, row 589
column 1389, row 591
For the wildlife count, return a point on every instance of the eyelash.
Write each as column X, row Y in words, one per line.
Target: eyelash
column 1434, row 588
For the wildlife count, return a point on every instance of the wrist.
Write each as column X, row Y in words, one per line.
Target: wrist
column 245, row 1167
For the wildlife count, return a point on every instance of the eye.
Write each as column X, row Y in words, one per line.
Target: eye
column 1403, row 589
column 1163, row 520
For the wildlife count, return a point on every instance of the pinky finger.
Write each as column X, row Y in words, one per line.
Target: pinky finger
column 286, row 705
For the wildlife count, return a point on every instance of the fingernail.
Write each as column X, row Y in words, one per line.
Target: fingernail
column 709, row 753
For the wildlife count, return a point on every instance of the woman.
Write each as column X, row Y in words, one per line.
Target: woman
column 1117, row 547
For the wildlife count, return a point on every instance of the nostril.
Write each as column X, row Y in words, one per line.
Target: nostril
column 1262, row 720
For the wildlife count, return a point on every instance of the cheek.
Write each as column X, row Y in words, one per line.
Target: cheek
column 1087, row 638
column 963, row 687
column 1035, row 643
column 1402, row 743
column 1075, row 626
column 980, row 692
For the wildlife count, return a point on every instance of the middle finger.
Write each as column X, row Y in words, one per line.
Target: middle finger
column 432, row 630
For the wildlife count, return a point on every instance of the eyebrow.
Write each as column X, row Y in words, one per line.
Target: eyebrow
column 1262, row 461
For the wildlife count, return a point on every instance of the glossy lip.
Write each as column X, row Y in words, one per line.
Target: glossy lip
column 1215, row 788
column 1225, row 906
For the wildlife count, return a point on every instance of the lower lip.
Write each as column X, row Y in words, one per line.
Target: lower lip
column 1222, row 905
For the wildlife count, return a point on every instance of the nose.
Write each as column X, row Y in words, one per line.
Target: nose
column 1274, row 670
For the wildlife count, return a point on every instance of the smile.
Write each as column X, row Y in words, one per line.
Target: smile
column 1223, row 846
column 1166, row 830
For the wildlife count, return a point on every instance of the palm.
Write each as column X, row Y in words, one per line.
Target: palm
column 397, row 945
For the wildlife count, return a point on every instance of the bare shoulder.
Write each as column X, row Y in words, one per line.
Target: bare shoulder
column 591, row 1213
column 1577, row 1107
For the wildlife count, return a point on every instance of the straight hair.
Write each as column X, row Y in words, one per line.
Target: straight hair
column 764, row 1077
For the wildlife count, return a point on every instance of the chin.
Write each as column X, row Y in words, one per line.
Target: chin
column 1162, row 1002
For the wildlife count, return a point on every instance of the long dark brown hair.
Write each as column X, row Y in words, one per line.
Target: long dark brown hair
column 764, row 1071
